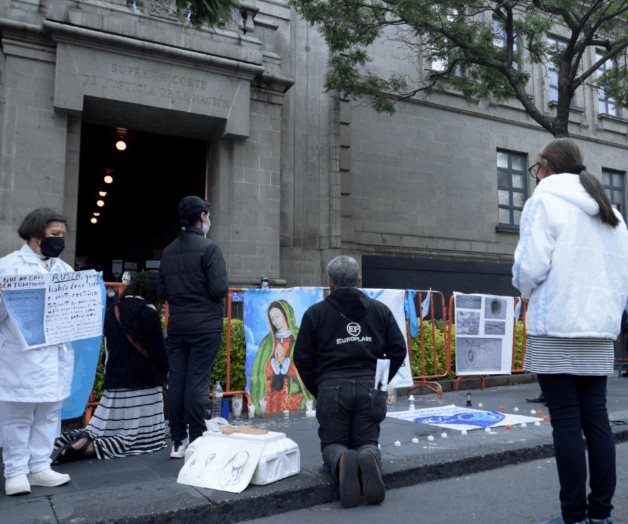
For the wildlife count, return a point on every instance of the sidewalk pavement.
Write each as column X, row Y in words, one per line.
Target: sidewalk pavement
column 143, row 489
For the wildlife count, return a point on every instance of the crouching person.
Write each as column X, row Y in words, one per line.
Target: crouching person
column 336, row 354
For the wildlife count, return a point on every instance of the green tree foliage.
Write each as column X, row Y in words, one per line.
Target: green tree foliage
column 486, row 50
column 518, row 357
column 433, row 343
column 238, row 357
column 212, row 13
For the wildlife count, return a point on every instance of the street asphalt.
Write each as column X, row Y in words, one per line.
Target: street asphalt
column 143, row 489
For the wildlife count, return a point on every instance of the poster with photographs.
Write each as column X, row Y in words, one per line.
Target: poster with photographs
column 484, row 330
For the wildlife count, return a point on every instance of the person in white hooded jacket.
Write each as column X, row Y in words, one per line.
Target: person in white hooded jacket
column 571, row 264
column 33, row 382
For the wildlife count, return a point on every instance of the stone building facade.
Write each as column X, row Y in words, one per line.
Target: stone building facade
column 294, row 175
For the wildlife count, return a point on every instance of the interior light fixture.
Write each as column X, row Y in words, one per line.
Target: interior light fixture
column 100, row 203
column 121, row 133
column 96, row 214
column 108, row 178
column 102, row 193
column 93, row 220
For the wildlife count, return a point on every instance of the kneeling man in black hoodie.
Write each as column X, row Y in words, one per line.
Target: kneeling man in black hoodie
column 336, row 352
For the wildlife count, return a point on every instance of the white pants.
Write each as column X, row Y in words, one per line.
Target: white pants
column 28, row 431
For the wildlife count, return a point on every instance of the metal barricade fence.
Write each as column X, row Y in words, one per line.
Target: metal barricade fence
column 432, row 342
column 431, row 352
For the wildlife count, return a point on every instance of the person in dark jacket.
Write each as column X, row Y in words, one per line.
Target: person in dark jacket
column 193, row 279
column 129, row 419
column 336, row 353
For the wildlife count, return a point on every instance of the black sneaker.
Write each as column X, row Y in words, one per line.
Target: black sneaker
column 348, row 480
column 372, row 483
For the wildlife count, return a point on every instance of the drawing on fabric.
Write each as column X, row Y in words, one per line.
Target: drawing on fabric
column 480, row 419
column 495, row 308
column 467, row 323
column 478, row 354
column 494, row 327
column 233, row 470
column 469, row 301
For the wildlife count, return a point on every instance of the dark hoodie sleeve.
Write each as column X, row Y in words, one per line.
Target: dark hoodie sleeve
column 216, row 271
column 152, row 337
column 304, row 354
column 395, row 345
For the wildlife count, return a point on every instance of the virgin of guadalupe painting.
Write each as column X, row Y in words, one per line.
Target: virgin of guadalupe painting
column 274, row 376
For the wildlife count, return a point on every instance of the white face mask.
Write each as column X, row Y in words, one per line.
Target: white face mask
column 206, row 226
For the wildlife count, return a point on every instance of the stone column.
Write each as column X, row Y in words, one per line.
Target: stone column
column 32, row 137
column 244, row 193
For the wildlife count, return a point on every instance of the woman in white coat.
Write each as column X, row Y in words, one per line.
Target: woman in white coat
column 572, row 264
column 34, row 382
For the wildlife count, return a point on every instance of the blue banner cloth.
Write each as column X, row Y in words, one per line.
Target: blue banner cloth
column 411, row 312
column 425, row 305
column 86, row 353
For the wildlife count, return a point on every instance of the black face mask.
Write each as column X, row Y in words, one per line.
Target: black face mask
column 52, row 246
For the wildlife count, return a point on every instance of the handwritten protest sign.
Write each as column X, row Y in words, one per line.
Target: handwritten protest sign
column 54, row 308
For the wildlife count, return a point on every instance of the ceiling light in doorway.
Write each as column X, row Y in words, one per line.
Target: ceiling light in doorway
column 96, row 214
column 121, row 133
column 108, row 178
column 94, row 220
column 102, row 193
column 100, row 203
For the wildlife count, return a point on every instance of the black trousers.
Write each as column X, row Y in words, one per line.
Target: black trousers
column 349, row 412
column 191, row 358
column 577, row 405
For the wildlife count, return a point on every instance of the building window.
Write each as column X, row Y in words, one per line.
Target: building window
column 606, row 104
column 439, row 63
column 557, row 46
column 512, row 187
column 500, row 39
column 614, row 184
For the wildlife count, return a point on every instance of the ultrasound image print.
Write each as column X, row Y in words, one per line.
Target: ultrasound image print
column 468, row 301
column 494, row 327
column 495, row 308
column 467, row 323
column 481, row 354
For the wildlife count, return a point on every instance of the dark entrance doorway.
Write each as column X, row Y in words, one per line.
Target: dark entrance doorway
column 139, row 215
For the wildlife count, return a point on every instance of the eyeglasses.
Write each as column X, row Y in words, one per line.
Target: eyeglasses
column 533, row 170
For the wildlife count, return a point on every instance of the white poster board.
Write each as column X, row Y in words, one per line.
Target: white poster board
column 484, row 330
column 222, row 463
column 54, row 308
column 394, row 299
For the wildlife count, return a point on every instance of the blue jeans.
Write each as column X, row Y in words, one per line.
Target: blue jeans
column 349, row 412
column 191, row 358
column 577, row 405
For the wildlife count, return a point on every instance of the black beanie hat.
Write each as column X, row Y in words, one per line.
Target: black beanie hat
column 190, row 209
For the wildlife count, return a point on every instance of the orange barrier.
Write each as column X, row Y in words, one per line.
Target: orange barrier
column 426, row 377
column 228, row 344
column 524, row 310
column 434, row 358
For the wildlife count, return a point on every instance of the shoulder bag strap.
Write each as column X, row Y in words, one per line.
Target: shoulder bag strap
column 136, row 345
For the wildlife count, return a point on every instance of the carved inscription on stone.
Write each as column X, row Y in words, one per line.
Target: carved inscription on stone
column 163, row 8
column 178, row 89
